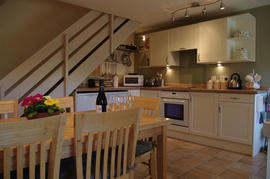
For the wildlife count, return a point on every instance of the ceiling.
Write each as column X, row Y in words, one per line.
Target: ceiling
column 154, row 13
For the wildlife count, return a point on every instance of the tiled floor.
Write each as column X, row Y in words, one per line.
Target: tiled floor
column 192, row 161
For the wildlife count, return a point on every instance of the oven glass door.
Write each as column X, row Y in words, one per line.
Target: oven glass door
column 177, row 110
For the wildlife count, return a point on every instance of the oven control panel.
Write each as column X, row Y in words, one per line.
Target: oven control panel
column 174, row 95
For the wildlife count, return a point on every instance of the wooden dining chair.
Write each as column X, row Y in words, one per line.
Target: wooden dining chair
column 66, row 102
column 112, row 136
column 150, row 105
column 8, row 107
column 145, row 151
column 32, row 136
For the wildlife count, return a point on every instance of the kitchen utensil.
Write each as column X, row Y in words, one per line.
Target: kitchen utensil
column 235, row 82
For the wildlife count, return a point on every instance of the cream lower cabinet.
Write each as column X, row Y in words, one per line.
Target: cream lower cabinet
column 150, row 93
column 236, row 122
column 226, row 120
column 204, row 114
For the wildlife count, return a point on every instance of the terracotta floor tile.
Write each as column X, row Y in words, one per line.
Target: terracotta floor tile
column 259, row 160
column 230, row 156
column 189, row 160
column 214, row 166
column 183, row 165
column 244, row 169
column 196, row 174
column 177, row 154
column 231, row 175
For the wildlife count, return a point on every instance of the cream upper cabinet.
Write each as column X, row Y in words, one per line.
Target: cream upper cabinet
column 182, row 38
column 212, row 43
column 204, row 114
column 159, row 48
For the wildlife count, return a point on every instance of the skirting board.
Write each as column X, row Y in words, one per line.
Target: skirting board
column 230, row 146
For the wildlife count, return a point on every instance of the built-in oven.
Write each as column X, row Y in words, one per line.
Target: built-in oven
column 175, row 105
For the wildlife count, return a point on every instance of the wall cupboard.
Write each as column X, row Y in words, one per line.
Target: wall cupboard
column 226, row 40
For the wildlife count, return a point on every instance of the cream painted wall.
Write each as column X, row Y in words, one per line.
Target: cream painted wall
column 27, row 25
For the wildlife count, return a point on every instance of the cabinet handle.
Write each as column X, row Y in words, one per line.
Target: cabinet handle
column 182, row 48
column 234, row 98
column 219, row 109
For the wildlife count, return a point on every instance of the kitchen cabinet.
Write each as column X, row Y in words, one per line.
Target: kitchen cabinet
column 150, row 93
column 86, row 101
column 183, row 38
column 160, row 56
column 159, row 48
column 134, row 92
column 204, row 114
column 235, row 122
column 212, row 43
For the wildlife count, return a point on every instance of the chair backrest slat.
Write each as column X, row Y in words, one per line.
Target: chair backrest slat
column 150, row 105
column 19, row 161
column 115, row 136
column 106, row 153
column 66, row 102
column 89, row 155
column 9, row 107
column 34, row 132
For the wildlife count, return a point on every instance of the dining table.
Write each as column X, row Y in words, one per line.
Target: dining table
column 150, row 127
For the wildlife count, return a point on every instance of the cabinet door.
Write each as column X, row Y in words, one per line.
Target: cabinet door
column 212, row 41
column 85, row 101
column 159, row 48
column 185, row 37
column 235, row 122
column 204, row 114
column 150, row 93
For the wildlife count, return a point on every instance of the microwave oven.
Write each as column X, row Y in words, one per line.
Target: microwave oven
column 133, row 80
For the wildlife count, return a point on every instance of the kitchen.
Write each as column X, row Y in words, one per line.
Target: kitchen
column 186, row 79
column 178, row 69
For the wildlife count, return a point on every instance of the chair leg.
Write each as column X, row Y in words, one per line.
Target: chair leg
column 153, row 164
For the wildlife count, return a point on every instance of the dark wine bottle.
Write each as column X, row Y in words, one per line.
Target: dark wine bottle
column 101, row 101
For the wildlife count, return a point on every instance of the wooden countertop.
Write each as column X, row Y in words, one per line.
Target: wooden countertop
column 176, row 89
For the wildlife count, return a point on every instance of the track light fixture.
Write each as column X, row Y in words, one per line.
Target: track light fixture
column 204, row 10
column 196, row 5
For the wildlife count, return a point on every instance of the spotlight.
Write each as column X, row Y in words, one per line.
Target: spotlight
column 186, row 13
column 222, row 7
column 173, row 17
column 204, row 10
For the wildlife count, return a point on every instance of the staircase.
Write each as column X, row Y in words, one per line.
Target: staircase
column 61, row 65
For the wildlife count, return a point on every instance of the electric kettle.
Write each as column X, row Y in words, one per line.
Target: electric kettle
column 235, row 82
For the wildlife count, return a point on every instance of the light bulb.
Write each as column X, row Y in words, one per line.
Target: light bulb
column 222, row 7
column 143, row 38
column 173, row 17
column 186, row 13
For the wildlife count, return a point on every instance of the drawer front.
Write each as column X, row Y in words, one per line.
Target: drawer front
column 237, row 98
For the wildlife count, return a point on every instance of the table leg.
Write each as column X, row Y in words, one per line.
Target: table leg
column 162, row 154
column 268, row 160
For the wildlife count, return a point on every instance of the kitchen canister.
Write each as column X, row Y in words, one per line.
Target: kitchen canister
column 217, row 84
column 210, row 84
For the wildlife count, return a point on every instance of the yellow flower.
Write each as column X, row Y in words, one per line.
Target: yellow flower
column 50, row 102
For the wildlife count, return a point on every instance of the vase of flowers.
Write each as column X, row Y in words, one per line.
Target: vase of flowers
column 40, row 106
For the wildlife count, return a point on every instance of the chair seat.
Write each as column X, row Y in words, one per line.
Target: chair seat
column 143, row 147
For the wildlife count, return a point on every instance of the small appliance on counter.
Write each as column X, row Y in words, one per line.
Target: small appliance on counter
column 133, row 80
column 235, row 82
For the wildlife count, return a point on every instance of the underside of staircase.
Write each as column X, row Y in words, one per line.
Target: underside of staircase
column 60, row 66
